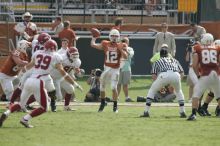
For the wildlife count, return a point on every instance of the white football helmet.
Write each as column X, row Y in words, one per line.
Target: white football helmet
column 207, row 39
column 23, row 45
column 217, row 43
column 114, row 35
column 72, row 53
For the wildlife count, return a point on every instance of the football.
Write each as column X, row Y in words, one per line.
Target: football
column 95, row 32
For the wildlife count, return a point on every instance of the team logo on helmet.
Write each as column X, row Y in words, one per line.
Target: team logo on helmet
column 114, row 35
column 207, row 39
column 72, row 53
column 43, row 37
column 50, row 45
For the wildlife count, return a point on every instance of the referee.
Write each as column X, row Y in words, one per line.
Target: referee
column 166, row 71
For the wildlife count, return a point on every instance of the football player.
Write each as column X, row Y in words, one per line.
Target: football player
column 70, row 62
column 114, row 50
column 206, row 65
column 36, row 45
column 43, row 62
column 11, row 67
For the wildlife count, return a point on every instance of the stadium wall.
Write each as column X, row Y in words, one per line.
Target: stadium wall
column 91, row 58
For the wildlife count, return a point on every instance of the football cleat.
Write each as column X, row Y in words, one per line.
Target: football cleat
column 145, row 115
column 192, row 117
column 115, row 109
column 183, row 115
column 201, row 112
column 129, row 100
column 2, row 119
column 206, row 112
column 25, row 123
column 53, row 106
column 101, row 107
column 67, row 108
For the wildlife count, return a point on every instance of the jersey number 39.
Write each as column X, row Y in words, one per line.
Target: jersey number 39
column 43, row 62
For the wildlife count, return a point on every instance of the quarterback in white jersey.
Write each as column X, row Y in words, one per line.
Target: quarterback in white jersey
column 43, row 62
column 70, row 62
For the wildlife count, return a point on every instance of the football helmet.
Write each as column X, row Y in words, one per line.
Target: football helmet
column 217, row 43
column 72, row 53
column 207, row 39
column 43, row 37
column 114, row 35
column 50, row 45
column 23, row 45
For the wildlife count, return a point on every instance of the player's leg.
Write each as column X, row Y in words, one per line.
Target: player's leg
column 125, row 84
column 176, row 83
column 69, row 89
column 104, row 79
column 120, row 82
column 41, row 97
column 49, row 86
column 114, row 82
column 7, row 87
column 16, row 107
column 156, row 86
column 198, row 90
column 215, row 89
column 208, row 99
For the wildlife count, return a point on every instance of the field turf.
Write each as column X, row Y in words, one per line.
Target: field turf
column 87, row 127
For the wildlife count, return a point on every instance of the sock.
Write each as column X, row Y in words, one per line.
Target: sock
column 148, row 104
column 67, row 99
column 127, row 97
column 27, row 117
column 194, row 111
column 37, row 112
column 7, row 112
column 115, row 104
column 182, row 108
column 102, row 100
column 16, row 94
column 205, row 105
column 15, row 107
column 31, row 100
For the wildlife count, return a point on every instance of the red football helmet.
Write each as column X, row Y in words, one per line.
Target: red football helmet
column 50, row 45
column 43, row 37
column 72, row 53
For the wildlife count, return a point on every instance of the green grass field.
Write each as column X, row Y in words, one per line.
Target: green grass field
column 87, row 127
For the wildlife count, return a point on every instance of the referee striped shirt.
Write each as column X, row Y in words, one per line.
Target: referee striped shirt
column 165, row 64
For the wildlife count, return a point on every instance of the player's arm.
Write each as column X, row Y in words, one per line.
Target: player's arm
column 18, row 60
column 66, row 76
column 28, row 66
column 124, row 51
column 196, row 63
column 95, row 45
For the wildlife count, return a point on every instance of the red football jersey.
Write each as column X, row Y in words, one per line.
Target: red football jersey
column 9, row 67
column 112, row 53
column 208, row 58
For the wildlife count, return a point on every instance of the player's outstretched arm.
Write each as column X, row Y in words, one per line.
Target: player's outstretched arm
column 95, row 45
column 67, row 77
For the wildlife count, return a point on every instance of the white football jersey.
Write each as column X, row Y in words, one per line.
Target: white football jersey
column 45, row 62
column 67, row 65
column 36, row 46
column 62, row 51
